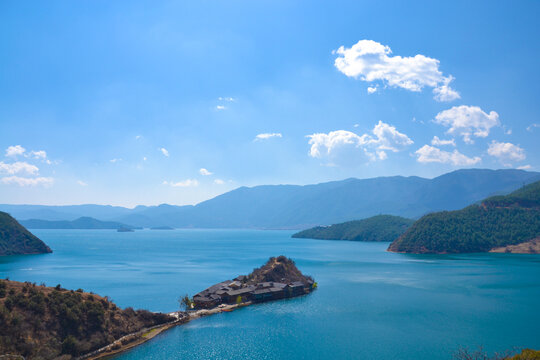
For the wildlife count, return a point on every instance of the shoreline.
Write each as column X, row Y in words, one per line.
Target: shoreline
column 130, row 341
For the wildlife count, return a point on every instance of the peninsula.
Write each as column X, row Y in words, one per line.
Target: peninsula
column 52, row 322
column 279, row 278
column 376, row 228
column 16, row 240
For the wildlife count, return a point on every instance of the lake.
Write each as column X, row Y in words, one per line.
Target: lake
column 370, row 304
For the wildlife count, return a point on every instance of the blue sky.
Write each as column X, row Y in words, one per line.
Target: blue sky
column 125, row 103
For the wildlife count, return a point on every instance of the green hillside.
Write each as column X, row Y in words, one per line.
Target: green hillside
column 84, row 222
column 376, row 228
column 16, row 240
column 498, row 221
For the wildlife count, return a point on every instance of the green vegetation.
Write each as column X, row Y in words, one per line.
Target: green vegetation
column 46, row 323
column 498, row 221
column 277, row 269
column 526, row 354
column 15, row 239
column 376, row 228
column 84, row 222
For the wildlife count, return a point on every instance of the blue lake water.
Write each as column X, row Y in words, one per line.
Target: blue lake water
column 370, row 304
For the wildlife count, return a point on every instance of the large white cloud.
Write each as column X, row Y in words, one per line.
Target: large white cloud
column 430, row 154
column 23, row 181
column 506, row 151
column 383, row 137
column 18, row 167
column 370, row 61
column 467, row 121
column 15, row 150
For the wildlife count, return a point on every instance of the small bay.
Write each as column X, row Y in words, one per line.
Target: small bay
column 370, row 304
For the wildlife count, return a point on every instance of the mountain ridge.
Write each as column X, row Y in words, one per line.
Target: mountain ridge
column 304, row 206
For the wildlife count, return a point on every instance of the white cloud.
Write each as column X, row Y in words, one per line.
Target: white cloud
column 220, row 107
column 265, row 136
column 40, row 154
column 15, row 150
column 18, row 167
column 506, row 151
column 370, row 61
column 22, row 181
column 144, row 158
column 219, row 182
column 532, row 126
column 467, row 121
column 445, row 92
column 440, row 142
column 115, row 160
column 429, row 154
column 225, row 98
column 384, row 137
column 356, row 125
column 164, row 152
column 205, row 172
column 138, row 137
column 82, row 183
column 371, row 89
column 524, row 167
column 183, row 183
column 388, row 138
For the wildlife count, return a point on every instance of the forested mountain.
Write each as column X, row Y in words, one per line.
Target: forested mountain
column 497, row 222
column 80, row 223
column 16, row 240
column 376, row 228
column 297, row 207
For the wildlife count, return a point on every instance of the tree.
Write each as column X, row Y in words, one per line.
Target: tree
column 186, row 303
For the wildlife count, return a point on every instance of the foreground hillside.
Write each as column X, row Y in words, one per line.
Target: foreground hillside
column 497, row 222
column 301, row 207
column 376, row 228
column 16, row 240
column 45, row 323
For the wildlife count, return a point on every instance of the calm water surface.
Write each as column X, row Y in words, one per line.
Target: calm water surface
column 370, row 304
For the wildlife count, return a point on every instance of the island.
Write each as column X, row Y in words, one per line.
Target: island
column 508, row 224
column 279, row 278
column 17, row 240
column 124, row 229
column 375, row 228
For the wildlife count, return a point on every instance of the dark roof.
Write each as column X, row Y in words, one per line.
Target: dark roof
column 279, row 285
column 240, row 278
column 239, row 291
column 261, row 291
column 276, row 289
column 297, row 284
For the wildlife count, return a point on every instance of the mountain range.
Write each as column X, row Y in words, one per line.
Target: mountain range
column 300, row 207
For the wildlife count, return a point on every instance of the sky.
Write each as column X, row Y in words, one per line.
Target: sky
column 133, row 102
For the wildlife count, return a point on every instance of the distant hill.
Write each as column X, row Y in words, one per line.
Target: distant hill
column 301, row 207
column 80, row 223
column 55, row 323
column 376, row 228
column 16, row 240
column 496, row 222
